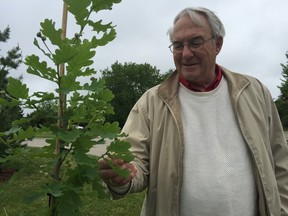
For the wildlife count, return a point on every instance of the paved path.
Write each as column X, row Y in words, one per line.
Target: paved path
column 96, row 150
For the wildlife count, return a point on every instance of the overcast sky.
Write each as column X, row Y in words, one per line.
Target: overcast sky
column 255, row 43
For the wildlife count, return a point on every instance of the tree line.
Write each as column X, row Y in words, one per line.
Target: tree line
column 11, row 60
column 282, row 100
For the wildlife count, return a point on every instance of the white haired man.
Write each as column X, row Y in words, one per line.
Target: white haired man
column 207, row 141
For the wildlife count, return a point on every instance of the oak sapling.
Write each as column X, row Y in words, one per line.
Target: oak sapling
column 79, row 104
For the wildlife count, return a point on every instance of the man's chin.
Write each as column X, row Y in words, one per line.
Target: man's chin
column 188, row 74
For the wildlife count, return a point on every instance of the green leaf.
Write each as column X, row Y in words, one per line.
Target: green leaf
column 64, row 54
column 44, row 96
column 79, row 10
column 68, row 84
column 100, row 95
column 33, row 101
column 20, row 122
column 48, row 29
column 95, row 85
column 22, row 172
column 40, row 68
column 100, row 189
column 120, row 149
column 82, row 158
column 122, row 172
column 103, row 5
column 69, row 204
column 105, row 95
column 12, row 130
column 11, row 103
column 43, row 130
column 69, row 136
column 84, row 143
column 125, row 156
column 3, row 160
column 83, row 58
column 108, row 130
column 88, row 72
column 55, row 189
column 43, row 51
column 89, row 172
column 119, row 146
column 99, row 27
column 16, row 89
column 25, row 134
column 105, row 39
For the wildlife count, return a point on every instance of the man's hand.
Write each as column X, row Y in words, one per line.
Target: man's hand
column 111, row 178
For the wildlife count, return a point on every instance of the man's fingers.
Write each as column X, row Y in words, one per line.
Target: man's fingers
column 132, row 173
column 110, row 177
column 108, row 174
column 103, row 164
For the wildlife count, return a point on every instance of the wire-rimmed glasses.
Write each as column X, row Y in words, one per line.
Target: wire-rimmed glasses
column 194, row 43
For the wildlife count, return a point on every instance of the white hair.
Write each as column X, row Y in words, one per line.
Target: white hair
column 215, row 23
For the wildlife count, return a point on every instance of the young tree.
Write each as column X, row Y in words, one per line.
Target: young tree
column 128, row 82
column 88, row 103
column 11, row 61
column 282, row 101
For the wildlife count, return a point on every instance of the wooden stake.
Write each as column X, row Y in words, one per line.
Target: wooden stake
column 61, row 122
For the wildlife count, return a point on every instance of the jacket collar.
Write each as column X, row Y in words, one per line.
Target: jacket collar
column 168, row 90
column 236, row 82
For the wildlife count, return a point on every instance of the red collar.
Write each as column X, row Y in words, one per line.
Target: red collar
column 212, row 86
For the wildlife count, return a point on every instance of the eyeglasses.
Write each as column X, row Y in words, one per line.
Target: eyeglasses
column 194, row 43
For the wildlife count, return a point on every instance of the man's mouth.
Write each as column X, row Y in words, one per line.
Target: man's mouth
column 189, row 64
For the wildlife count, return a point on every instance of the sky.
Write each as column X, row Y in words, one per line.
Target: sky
column 255, row 42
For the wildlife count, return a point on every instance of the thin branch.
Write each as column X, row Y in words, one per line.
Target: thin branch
column 19, row 153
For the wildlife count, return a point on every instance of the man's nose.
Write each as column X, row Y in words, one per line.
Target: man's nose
column 187, row 51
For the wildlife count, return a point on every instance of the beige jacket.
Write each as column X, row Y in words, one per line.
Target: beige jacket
column 156, row 134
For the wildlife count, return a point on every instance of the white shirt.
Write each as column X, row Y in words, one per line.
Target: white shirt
column 217, row 173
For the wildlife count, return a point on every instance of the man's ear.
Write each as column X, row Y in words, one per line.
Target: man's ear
column 219, row 43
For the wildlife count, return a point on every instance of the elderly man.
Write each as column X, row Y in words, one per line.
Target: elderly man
column 207, row 141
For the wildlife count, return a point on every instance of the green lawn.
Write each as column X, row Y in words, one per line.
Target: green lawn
column 12, row 194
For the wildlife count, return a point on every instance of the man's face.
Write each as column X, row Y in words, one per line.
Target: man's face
column 196, row 65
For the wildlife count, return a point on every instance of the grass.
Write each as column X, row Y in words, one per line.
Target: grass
column 44, row 135
column 12, row 194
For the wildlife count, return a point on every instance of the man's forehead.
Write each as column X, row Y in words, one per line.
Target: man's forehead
column 198, row 20
column 187, row 22
column 185, row 25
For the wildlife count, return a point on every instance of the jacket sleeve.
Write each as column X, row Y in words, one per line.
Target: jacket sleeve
column 280, row 153
column 137, row 130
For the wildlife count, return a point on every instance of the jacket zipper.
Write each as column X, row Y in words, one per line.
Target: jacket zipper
column 255, row 166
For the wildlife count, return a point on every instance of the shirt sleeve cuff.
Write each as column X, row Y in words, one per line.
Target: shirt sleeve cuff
column 119, row 191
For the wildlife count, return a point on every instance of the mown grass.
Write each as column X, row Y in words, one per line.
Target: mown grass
column 44, row 135
column 12, row 194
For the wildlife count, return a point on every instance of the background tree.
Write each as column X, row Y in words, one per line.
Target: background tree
column 128, row 82
column 44, row 115
column 282, row 101
column 11, row 61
